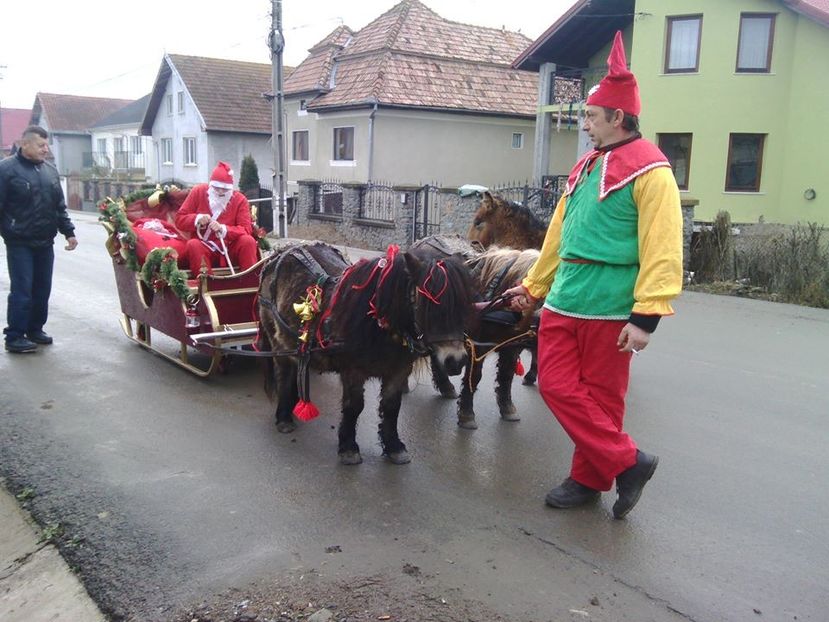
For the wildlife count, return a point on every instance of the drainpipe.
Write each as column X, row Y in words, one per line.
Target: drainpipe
column 371, row 142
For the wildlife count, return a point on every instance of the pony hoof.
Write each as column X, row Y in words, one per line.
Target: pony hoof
column 399, row 457
column 286, row 427
column 467, row 423
column 350, row 458
column 512, row 416
column 506, row 409
column 449, row 393
column 528, row 380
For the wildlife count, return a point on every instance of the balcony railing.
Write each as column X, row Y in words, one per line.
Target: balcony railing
column 119, row 161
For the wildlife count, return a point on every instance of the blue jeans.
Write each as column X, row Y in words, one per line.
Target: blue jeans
column 30, row 273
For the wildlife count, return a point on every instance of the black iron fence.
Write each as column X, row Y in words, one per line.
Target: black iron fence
column 328, row 198
column 541, row 198
column 379, row 201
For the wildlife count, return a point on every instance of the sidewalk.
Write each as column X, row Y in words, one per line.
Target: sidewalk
column 36, row 585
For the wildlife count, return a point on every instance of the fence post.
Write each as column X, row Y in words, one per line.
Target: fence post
column 307, row 200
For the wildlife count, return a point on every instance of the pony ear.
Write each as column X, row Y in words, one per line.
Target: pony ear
column 413, row 266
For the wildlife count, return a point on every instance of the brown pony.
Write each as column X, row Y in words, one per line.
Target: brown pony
column 493, row 271
column 506, row 224
column 372, row 319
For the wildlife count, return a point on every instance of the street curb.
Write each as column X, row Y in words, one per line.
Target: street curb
column 36, row 584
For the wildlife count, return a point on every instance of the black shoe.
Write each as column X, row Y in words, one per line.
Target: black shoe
column 570, row 494
column 20, row 344
column 38, row 336
column 629, row 483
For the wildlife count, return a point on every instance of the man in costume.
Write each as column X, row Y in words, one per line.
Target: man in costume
column 610, row 265
column 218, row 221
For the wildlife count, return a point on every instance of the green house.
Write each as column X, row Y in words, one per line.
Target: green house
column 736, row 93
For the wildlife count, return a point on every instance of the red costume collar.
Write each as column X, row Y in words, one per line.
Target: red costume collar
column 620, row 166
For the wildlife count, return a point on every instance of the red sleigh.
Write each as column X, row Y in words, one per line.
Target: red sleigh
column 201, row 316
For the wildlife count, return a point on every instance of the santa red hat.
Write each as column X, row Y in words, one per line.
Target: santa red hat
column 618, row 89
column 222, row 176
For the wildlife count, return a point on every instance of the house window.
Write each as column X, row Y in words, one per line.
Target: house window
column 303, row 104
column 755, row 43
column 344, row 143
column 682, row 45
column 136, row 145
column 180, row 96
column 102, row 146
column 678, row 149
column 745, row 162
column 517, row 140
column 189, row 151
column 169, row 99
column 119, row 153
column 167, row 150
column 299, row 141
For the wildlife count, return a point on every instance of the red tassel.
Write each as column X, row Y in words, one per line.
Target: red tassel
column 305, row 411
column 519, row 368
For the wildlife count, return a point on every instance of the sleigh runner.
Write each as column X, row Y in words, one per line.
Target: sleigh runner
column 204, row 314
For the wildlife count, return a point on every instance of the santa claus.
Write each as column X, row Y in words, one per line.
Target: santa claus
column 218, row 221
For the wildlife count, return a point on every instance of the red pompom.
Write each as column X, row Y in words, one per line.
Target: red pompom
column 305, row 411
column 519, row 368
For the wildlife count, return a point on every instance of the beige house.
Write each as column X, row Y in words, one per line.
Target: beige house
column 412, row 98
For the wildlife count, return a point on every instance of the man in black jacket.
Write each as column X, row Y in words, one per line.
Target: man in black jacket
column 32, row 211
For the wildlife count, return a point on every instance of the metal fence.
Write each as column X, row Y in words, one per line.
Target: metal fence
column 379, row 202
column 428, row 208
column 329, row 198
column 540, row 197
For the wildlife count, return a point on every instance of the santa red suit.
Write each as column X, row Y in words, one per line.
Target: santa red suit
column 217, row 218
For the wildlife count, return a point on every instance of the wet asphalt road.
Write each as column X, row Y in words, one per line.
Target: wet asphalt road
column 175, row 487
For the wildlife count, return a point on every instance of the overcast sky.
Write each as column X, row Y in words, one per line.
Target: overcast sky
column 108, row 48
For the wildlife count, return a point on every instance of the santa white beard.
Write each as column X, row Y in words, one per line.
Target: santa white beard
column 217, row 203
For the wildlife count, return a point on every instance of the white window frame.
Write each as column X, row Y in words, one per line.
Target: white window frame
column 166, row 148
column 180, row 97
column 190, row 155
column 136, row 145
column 169, row 99
column 520, row 137
column 102, row 145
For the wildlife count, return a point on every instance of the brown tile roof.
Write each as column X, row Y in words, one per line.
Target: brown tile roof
column 227, row 93
column 12, row 123
column 73, row 113
column 412, row 57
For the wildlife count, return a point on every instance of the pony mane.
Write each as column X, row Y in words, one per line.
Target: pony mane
column 521, row 212
column 507, row 264
column 448, row 294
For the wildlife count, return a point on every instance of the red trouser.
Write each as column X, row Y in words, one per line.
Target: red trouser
column 583, row 378
column 242, row 251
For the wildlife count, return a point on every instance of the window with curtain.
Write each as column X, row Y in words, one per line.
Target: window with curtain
column 678, row 149
column 299, row 142
column 344, row 143
column 683, row 43
column 745, row 162
column 755, row 43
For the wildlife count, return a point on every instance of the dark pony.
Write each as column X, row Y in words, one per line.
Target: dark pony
column 493, row 271
column 372, row 319
column 504, row 223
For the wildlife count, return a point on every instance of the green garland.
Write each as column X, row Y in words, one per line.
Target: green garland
column 160, row 269
column 114, row 213
column 137, row 195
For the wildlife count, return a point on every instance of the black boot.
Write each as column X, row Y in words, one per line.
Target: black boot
column 570, row 494
column 39, row 337
column 629, row 483
column 20, row 344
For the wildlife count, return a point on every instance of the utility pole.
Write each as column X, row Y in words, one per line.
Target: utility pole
column 277, row 44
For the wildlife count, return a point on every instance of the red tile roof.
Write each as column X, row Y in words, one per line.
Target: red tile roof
column 73, row 114
column 411, row 57
column 227, row 93
column 12, row 123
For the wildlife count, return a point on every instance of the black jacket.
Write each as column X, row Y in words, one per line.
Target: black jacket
column 32, row 208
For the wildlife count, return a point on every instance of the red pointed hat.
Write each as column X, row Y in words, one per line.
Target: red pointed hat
column 618, row 89
column 222, row 176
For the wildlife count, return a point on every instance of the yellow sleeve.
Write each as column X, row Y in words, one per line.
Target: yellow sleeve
column 660, row 242
column 540, row 276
